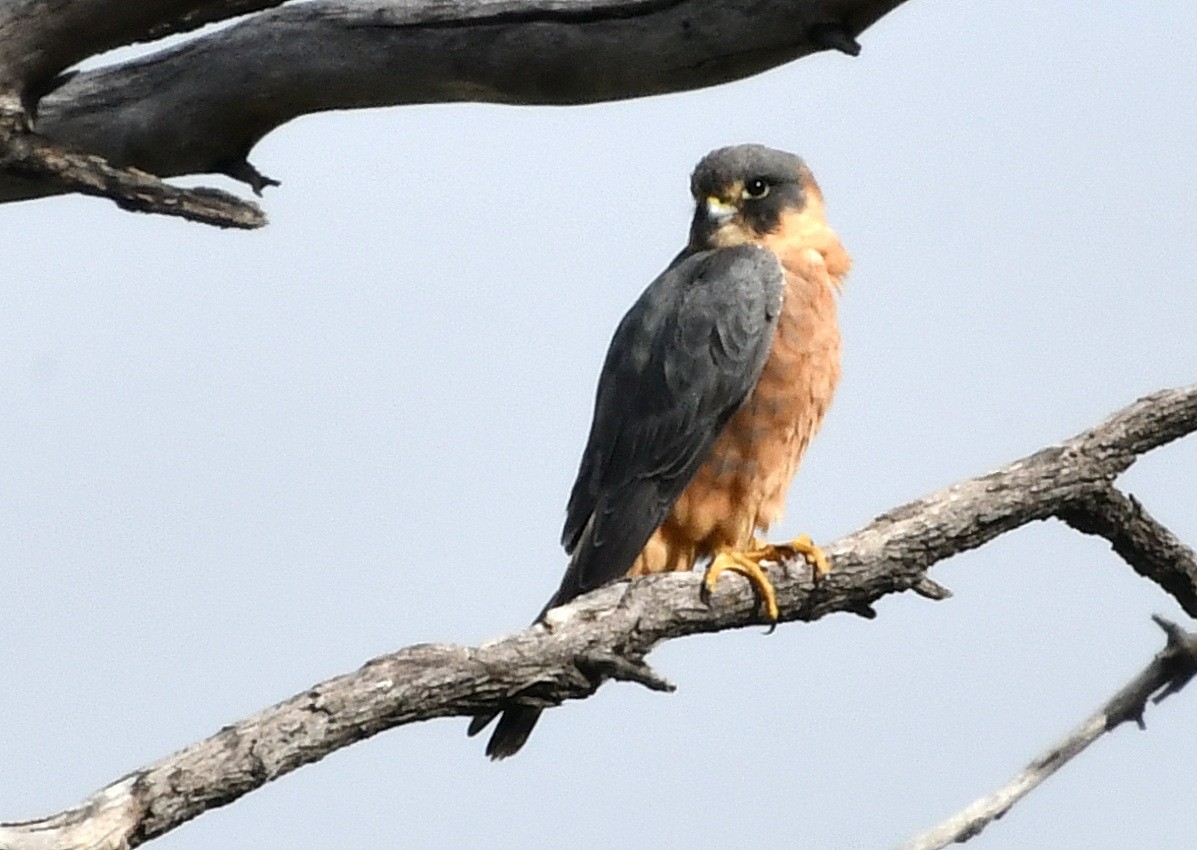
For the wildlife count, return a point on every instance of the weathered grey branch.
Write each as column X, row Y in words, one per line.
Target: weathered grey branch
column 40, row 38
column 29, row 155
column 1171, row 669
column 1145, row 544
column 202, row 106
column 608, row 634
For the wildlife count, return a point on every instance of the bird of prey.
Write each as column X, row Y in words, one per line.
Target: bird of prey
column 714, row 383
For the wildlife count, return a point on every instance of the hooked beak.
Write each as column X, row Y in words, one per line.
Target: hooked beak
column 712, row 215
column 718, row 211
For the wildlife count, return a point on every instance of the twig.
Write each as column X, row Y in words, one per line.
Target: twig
column 1168, row 672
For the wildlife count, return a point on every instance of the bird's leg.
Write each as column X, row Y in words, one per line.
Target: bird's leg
column 800, row 545
column 746, row 565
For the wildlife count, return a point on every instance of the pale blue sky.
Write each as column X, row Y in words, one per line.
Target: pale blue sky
column 242, row 463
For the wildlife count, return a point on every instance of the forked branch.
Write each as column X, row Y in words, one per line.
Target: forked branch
column 201, row 106
column 608, row 633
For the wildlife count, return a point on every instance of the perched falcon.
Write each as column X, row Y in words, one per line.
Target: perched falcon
column 713, row 386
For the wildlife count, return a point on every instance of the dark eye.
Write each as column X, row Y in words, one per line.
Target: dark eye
column 755, row 189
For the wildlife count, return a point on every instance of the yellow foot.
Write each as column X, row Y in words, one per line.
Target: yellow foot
column 800, row 545
column 748, row 566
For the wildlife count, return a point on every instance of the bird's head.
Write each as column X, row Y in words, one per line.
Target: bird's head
column 744, row 193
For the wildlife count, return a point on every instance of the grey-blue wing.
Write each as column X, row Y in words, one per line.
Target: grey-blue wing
column 683, row 360
column 681, row 363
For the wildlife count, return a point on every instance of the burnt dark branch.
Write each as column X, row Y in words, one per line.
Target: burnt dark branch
column 201, row 106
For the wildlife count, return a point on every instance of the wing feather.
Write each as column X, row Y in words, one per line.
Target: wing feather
column 682, row 361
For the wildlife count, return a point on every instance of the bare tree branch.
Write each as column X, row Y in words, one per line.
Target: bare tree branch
column 202, row 106
column 1149, row 547
column 1168, row 672
column 39, row 38
column 608, row 634
column 27, row 154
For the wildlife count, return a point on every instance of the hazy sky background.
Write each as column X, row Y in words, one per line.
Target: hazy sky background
column 241, row 463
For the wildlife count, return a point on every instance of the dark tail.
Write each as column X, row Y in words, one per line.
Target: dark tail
column 588, row 569
column 515, row 725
